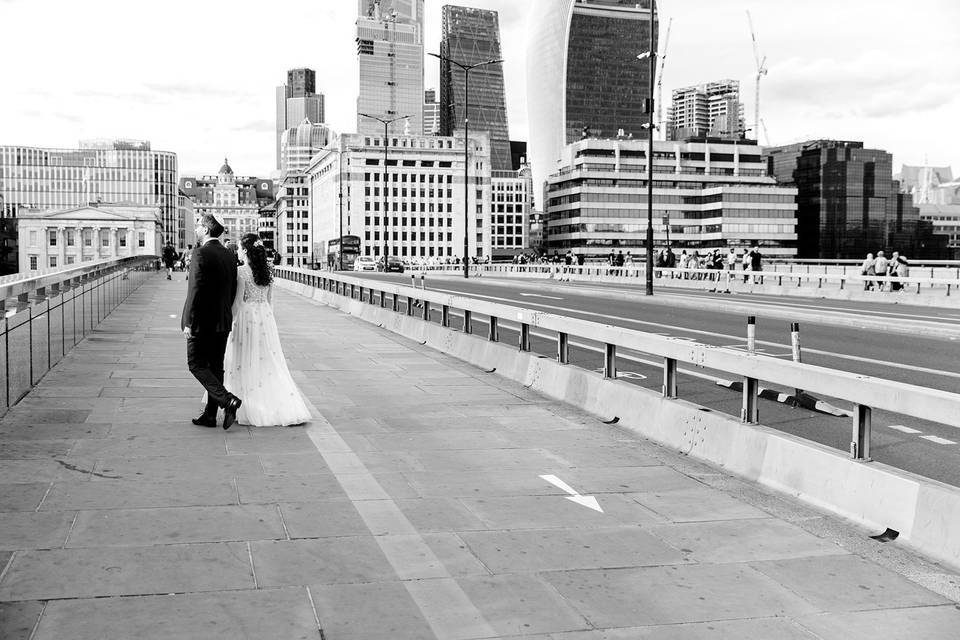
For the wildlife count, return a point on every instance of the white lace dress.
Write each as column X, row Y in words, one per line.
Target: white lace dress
column 254, row 367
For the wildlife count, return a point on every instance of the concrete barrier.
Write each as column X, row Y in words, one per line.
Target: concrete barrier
column 875, row 496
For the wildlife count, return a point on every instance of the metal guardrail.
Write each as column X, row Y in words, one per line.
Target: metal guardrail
column 865, row 393
column 46, row 315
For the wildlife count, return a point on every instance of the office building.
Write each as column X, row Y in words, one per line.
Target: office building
column 300, row 143
column 583, row 76
column 936, row 193
column 98, row 171
column 431, row 113
column 186, row 236
column 268, row 225
column 425, row 197
column 234, row 199
column 510, row 205
column 297, row 100
column 390, row 60
column 472, row 36
column 708, row 194
column 294, row 231
column 711, row 109
column 57, row 238
column 848, row 204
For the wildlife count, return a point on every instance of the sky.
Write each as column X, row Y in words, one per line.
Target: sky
column 198, row 77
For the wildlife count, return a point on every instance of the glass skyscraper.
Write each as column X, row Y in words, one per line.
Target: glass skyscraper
column 390, row 56
column 296, row 100
column 471, row 36
column 583, row 76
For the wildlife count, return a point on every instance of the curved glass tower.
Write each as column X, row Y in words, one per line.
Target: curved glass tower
column 583, row 76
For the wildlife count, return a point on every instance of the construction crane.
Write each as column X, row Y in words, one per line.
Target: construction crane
column 766, row 134
column 663, row 59
column 761, row 71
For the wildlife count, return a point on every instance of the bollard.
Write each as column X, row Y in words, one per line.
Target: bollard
column 795, row 351
column 751, row 334
column 423, row 281
column 413, row 280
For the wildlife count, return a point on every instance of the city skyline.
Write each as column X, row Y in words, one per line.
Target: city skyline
column 887, row 82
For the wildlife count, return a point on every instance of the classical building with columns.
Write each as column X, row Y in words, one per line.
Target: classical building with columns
column 54, row 239
column 236, row 200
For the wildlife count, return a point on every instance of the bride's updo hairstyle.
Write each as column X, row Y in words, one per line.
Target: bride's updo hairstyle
column 257, row 259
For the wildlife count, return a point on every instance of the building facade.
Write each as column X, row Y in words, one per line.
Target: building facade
column 234, row 199
column 848, row 204
column 472, row 36
column 268, row 225
column 300, row 143
column 583, row 76
column 424, row 196
column 390, row 59
column 510, row 208
column 294, row 231
column 431, row 113
column 98, row 171
column 936, row 193
column 707, row 195
column 60, row 238
column 711, row 109
column 297, row 100
column 186, row 236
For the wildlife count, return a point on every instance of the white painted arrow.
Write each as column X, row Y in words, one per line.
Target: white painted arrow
column 586, row 501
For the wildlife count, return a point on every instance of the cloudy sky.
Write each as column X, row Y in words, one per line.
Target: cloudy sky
column 198, row 77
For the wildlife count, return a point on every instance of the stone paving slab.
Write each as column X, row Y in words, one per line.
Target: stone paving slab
column 410, row 507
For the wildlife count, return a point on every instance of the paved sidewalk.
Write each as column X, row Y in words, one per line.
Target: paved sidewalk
column 411, row 507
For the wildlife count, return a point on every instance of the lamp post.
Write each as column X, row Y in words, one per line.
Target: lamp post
column 386, row 133
column 467, row 68
column 651, row 56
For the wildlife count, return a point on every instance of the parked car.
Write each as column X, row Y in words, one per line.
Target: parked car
column 394, row 263
column 364, row 263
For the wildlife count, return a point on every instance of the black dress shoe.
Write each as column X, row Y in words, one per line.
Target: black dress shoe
column 206, row 421
column 230, row 412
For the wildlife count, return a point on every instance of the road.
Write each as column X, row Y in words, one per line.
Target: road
column 915, row 345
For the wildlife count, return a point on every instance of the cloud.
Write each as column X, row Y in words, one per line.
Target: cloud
column 257, row 126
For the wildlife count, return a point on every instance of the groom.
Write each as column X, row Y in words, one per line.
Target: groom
column 207, row 319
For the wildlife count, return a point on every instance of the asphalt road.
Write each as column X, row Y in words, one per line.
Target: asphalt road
column 915, row 345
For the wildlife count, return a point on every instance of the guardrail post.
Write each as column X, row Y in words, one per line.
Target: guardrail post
column 445, row 315
column 394, row 303
column 610, row 361
column 493, row 335
column 862, row 428
column 563, row 348
column 750, row 411
column 524, row 336
column 669, row 378
column 410, row 302
column 467, row 321
column 426, row 310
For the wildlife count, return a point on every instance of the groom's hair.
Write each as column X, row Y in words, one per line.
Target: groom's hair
column 210, row 224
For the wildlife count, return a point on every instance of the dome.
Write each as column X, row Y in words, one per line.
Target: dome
column 225, row 169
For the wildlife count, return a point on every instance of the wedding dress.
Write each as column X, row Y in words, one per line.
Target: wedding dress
column 254, row 367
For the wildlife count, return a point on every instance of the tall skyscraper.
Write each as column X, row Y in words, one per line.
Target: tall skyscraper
column 297, row 100
column 431, row 113
column 471, row 36
column 583, row 76
column 390, row 56
column 711, row 109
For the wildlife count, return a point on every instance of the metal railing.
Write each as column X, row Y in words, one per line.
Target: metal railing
column 864, row 393
column 46, row 315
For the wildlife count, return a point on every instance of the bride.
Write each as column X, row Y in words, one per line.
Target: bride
column 254, row 366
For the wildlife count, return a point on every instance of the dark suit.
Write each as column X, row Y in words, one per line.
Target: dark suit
column 207, row 311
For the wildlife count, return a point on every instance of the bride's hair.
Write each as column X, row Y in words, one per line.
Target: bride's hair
column 257, row 259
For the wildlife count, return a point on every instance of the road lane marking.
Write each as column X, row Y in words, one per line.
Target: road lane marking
column 938, row 440
column 587, row 501
column 841, row 356
column 537, row 295
column 900, row 427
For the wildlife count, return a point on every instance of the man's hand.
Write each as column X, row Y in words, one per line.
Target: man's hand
column 188, row 332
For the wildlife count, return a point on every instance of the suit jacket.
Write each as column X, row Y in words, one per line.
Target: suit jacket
column 211, row 288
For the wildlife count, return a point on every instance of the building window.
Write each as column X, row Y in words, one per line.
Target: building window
column 70, row 238
column 88, row 237
column 53, row 261
column 104, row 238
column 123, row 238
column 53, row 239
column 33, row 238
column 71, row 259
column 33, row 263
column 141, row 239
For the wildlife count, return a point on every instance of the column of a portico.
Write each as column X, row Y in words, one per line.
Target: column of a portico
column 61, row 246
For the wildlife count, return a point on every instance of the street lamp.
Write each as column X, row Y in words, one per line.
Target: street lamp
column 386, row 133
column 467, row 68
column 651, row 56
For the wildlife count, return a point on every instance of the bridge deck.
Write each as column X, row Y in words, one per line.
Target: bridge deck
column 411, row 507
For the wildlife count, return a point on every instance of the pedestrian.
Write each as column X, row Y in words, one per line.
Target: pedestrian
column 880, row 268
column 893, row 270
column 169, row 256
column 732, row 259
column 746, row 262
column 756, row 261
column 868, row 268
